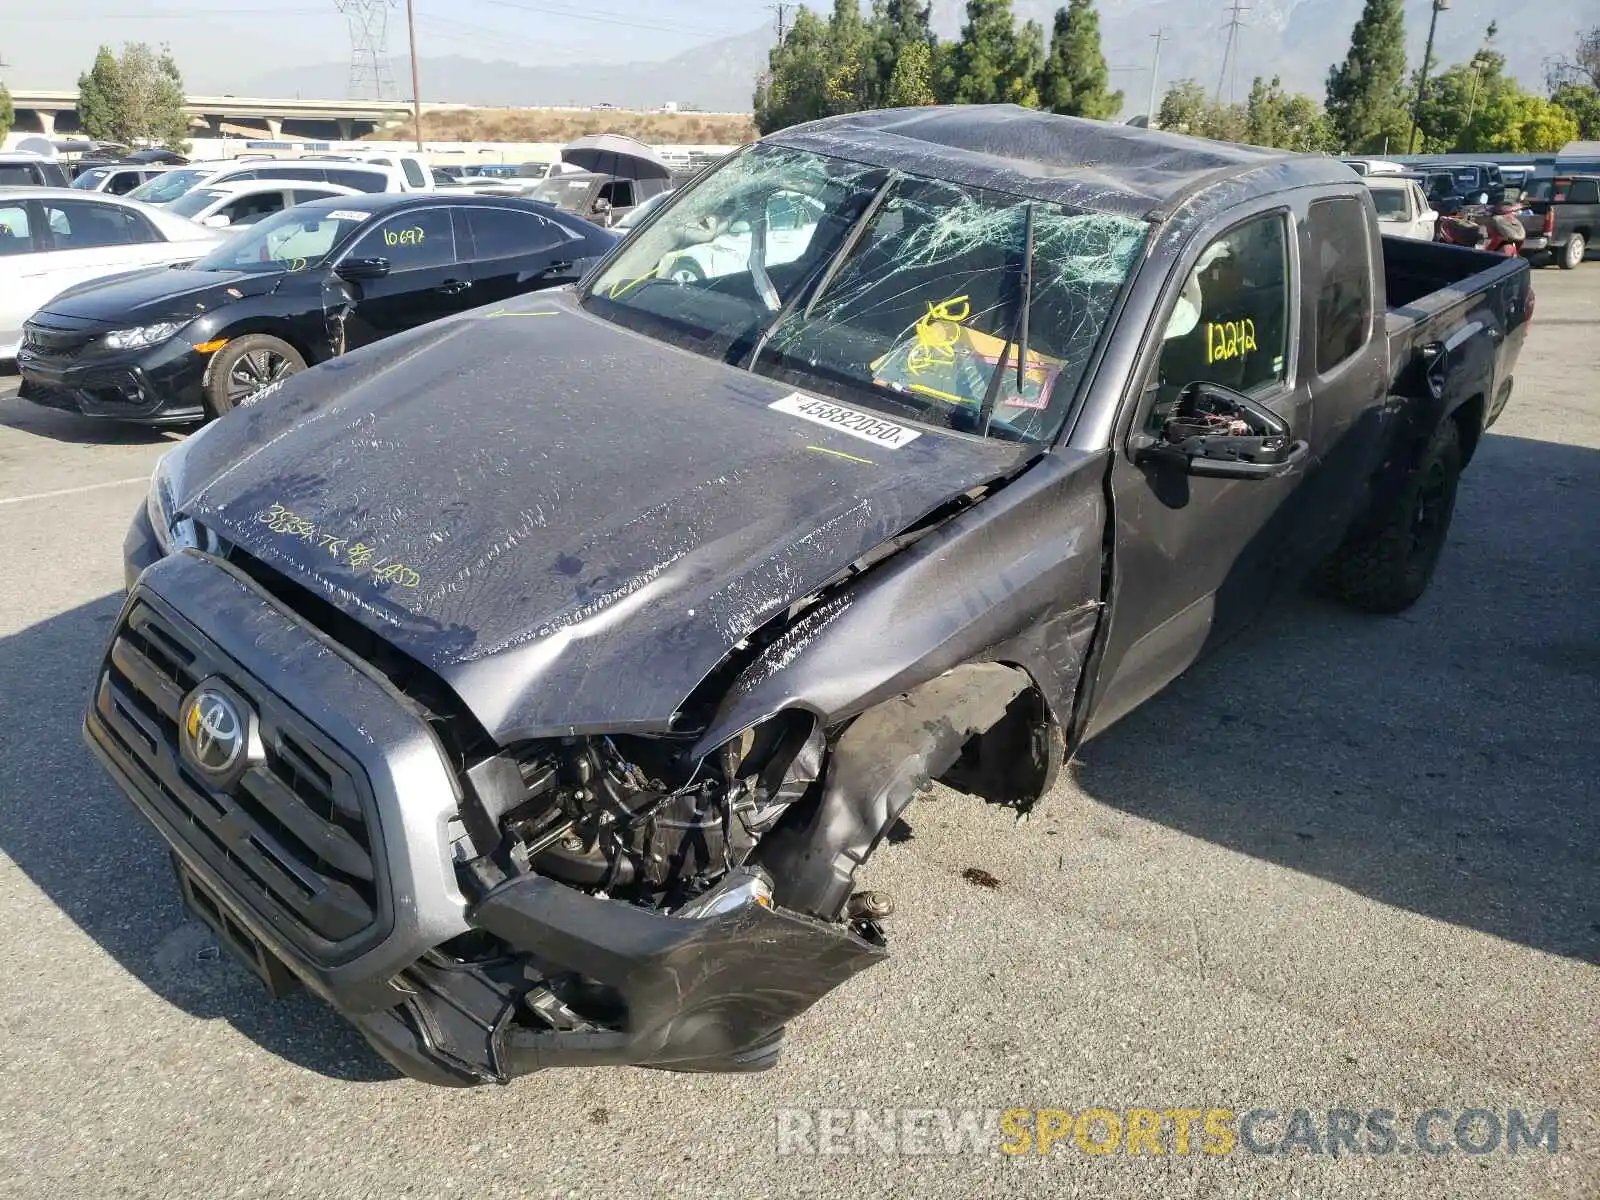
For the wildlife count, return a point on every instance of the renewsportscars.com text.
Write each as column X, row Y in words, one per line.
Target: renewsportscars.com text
column 1096, row 1130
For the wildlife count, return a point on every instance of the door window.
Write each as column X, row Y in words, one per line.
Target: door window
column 1337, row 232
column 1231, row 323
column 411, row 241
column 81, row 225
column 1585, row 191
column 503, row 232
column 301, row 195
column 247, row 210
column 15, row 237
column 414, row 175
column 124, row 182
column 619, row 192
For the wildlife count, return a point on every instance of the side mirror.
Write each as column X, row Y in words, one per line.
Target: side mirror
column 1218, row 432
column 602, row 206
column 217, row 221
column 354, row 270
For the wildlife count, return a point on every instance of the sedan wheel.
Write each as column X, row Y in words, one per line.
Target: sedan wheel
column 245, row 368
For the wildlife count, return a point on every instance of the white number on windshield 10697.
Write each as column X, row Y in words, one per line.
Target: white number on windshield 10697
column 863, row 425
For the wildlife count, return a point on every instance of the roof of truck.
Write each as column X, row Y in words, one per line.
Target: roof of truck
column 1066, row 160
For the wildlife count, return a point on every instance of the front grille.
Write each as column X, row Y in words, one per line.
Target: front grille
column 294, row 836
column 55, row 343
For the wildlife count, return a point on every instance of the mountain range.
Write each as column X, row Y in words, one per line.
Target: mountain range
column 1295, row 39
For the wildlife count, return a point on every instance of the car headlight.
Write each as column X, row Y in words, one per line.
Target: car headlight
column 173, row 530
column 142, row 335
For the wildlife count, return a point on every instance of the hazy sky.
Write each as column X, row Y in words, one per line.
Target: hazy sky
column 46, row 43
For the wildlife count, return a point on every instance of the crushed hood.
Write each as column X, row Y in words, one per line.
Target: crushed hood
column 570, row 523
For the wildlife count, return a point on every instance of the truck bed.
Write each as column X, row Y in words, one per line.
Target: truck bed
column 1451, row 297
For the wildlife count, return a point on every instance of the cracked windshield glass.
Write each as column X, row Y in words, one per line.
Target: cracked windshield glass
column 896, row 292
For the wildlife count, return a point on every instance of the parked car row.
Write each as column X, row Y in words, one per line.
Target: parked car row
column 291, row 289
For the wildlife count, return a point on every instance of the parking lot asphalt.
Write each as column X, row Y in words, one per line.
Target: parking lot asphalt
column 1349, row 862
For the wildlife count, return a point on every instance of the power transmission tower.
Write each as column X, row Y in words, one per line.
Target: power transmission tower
column 1230, row 54
column 782, row 10
column 371, row 77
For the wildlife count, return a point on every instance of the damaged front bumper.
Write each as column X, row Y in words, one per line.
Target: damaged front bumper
column 327, row 859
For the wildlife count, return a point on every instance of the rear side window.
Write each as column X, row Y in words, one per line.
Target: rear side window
column 502, row 232
column 364, row 181
column 1231, row 323
column 414, row 175
column 20, row 175
column 1337, row 233
column 1585, row 191
column 80, row 225
column 15, row 237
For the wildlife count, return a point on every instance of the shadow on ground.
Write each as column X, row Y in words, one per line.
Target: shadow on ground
column 78, row 841
column 27, row 417
column 1441, row 761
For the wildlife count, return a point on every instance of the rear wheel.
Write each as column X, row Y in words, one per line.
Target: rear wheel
column 1387, row 569
column 245, row 367
column 1572, row 256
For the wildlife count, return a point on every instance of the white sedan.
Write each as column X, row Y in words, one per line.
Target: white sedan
column 791, row 223
column 1403, row 211
column 232, row 203
column 53, row 238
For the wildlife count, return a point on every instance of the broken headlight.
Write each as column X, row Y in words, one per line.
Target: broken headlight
column 173, row 530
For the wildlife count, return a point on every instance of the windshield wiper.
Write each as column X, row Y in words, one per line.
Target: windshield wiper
column 835, row 264
column 1019, row 332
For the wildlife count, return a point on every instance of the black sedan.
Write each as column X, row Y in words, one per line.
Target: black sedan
column 177, row 344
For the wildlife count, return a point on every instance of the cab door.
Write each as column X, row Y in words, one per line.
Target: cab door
column 423, row 275
column 1195, row 556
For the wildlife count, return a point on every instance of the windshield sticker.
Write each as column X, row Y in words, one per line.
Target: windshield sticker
column 358, row 556
column 347, row 214
column 863, row 425
column 1229, row 339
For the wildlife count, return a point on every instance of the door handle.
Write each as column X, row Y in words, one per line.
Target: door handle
column 453, row 287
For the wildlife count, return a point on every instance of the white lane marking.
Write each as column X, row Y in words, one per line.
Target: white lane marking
column 88, row 487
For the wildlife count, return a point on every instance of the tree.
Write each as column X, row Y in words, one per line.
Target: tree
column 1075, row 80
column 1575, row 83
column 1518, row 122
column 795, row 88
column 1453, row 99
column 1285, row 120
column 7, row 113
column 137, row 97
column 911, row 82
column 992, row 63
column 98, row 102
column 1366, row 109
column 1582, row 105
column 898, row 31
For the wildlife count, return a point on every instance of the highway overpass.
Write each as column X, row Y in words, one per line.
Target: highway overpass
column 56, row 113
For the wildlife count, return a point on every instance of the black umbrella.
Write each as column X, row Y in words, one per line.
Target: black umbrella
column 616, row 154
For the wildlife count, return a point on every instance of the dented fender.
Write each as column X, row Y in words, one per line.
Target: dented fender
column 1016, row 579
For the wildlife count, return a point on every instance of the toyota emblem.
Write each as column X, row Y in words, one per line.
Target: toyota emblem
column 214, row 732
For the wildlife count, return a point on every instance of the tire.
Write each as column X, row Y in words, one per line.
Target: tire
column 1572, row 254
column 686, row 270
column 1386, row 569
column 246, row 365
column 1539, row 259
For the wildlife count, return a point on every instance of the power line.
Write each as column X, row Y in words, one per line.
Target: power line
column 1230, row 54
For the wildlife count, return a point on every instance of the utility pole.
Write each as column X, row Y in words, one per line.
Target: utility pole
column 1230, row 54
column 1422, row 78
column 783, row 20
column 1159, row 36
column 416, row 91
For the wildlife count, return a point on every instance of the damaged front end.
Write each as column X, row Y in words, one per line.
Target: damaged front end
column 633, row 905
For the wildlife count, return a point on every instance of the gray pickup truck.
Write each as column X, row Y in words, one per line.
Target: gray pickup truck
column 532, row 685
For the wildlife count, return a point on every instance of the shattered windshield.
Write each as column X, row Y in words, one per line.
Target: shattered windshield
column 893, row 291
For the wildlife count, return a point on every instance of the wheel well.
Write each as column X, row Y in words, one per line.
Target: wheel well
column 310, row 355
column 1469, row 424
